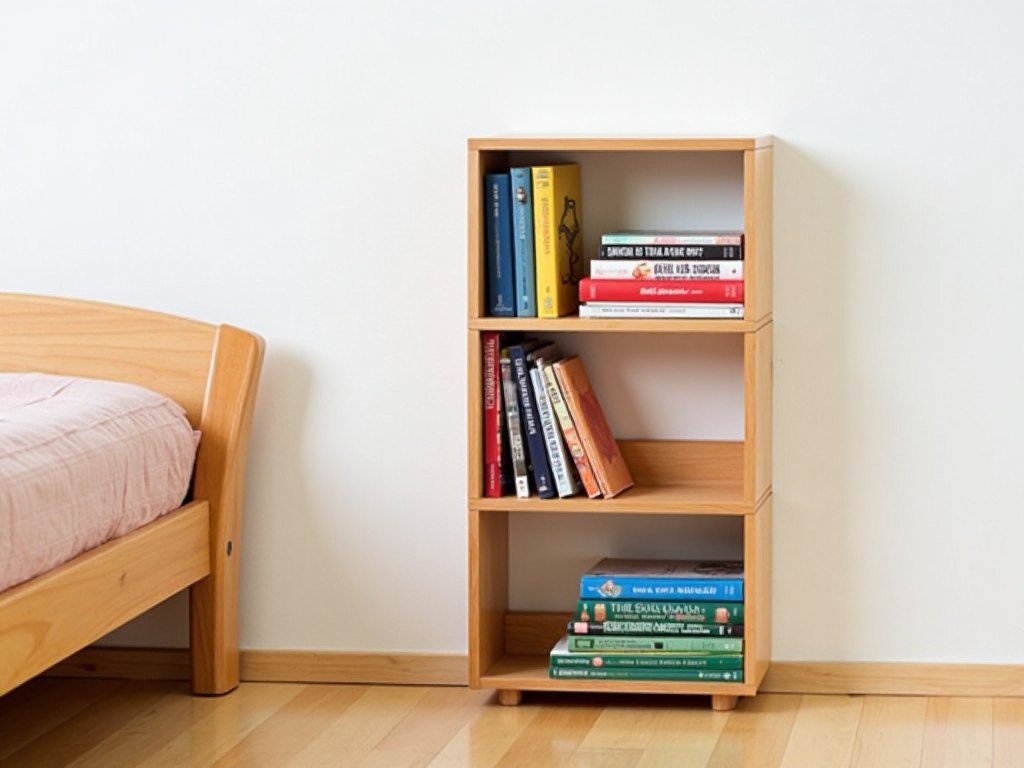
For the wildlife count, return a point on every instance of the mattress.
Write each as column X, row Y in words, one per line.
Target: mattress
column 83, row 461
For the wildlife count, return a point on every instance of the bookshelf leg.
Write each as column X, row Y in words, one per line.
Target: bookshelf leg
column 723, row 703
column 510, row 698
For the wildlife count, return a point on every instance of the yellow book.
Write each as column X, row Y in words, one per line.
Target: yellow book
column 558, row 238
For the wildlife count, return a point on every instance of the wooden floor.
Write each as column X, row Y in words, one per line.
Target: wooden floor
column 53, row 722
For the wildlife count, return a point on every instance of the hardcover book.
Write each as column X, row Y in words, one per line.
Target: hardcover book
column 529, row 418
column 686, row 291
column 672, row 237
column 648, row 673
column 659, row 610
column 573, row 442
column 654, row 627
column 522, row 242
column 562, row 468
column 606, row 460
column 558, row 237
column 637, row 643
column 495, row 466
column 665, row 269
column 669, row 251
column 657, row 310
column 619, row 578
column 498, row 235
column 517, row 446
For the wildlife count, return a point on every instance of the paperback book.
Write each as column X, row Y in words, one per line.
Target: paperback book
column 687, row 291
column 655, row 310
column 664, row 269
column 654, row 627
column 615, row 578
column 638, row 643
column 660, row 610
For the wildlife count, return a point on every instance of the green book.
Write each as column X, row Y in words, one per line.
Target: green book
column 562, row 656
column 596, row 643
column 625, row 673
column 659, row 610
column 659, row 628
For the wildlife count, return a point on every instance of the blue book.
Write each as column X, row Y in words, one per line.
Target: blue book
column 613, row 578
column 498, row 233
column 522, row 242
column 536, row 444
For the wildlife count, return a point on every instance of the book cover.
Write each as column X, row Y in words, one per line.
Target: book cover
column 654, row 310
column 562, row 468
column 687, row 291
column 573, row 443
column 517, row 448
column 498, row 236
column 563, row 662
column 669, row 251
column 664, row 269
column 636, row 643
column 606, row 460
column 536, row 450
column 622, row 578
column 659, row 610
column 672, row 237
column 647, row 673
column 522, row 242
column 558, row 237
column 495, row 466
column 654, row 627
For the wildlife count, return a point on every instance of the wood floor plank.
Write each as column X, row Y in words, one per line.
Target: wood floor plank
column 683, row 735
column 1007, row 733
column 554, row 734
column 824, row 732
column 756, row 733
column 958, row 733
column 485, row 739
column 891, row 732
column 605, row 758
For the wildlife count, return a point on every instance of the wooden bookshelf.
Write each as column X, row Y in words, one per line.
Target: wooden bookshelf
column 694, row 478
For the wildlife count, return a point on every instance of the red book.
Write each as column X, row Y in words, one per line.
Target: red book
column 494, row 472
column 689, row 291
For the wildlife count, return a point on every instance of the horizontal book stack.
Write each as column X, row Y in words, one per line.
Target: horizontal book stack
column 655, row 620
column 665, row 274
column 544, row 429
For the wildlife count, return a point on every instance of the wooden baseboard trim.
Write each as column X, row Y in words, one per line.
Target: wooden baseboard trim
column 274, row 666
column 894, row 679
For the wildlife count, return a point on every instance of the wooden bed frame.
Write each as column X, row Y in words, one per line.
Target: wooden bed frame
column 213, row 372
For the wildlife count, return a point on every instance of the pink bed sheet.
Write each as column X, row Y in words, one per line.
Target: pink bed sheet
column 83, row 461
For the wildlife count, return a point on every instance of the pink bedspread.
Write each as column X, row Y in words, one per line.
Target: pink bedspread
column 81, row 462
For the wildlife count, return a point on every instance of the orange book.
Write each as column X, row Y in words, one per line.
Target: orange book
column 613, row 476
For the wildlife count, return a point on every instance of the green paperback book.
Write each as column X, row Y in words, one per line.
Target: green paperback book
column 642, row 673
column 592, row 643
column 659, row 610
column 562, row 656
column 659, row 628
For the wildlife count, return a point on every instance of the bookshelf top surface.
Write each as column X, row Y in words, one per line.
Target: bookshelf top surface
column 621, row 144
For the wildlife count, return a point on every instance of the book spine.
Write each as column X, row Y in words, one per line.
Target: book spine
column 665, row 269
column 626, row 643
column 655, row 310
column 662, row 251
column 517, row 448
column 660, row 610
column 498, row 233
column 494, row 470
column 573, row 443
column 648, row 673
column 689, row 291
column 643, row 588
column 558, row 239
column 536, row 451
column 558, row 457
column 522, row 242
column 671, row 238
column 654, row 627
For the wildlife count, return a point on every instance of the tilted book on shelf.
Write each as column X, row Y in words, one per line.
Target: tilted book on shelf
column 606, row 460
column 498, row 245
column 573, row 442
column 624, row 578
column 664, row 269
column 558, row 237
column 524, row 259
column 563, row 470
column 684, row 291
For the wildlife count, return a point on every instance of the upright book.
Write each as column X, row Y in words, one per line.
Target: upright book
column 498, row 245
column 620, row 578
column 561, row 464
column 513, row 422
column 606, row 460
column 495, row 465
column 529, row 416
column 522, row 242
column 558, row 237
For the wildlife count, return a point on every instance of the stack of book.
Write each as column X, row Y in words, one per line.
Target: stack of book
column 695, row 274
column 545, row 432
column 534, row 240
column 676, row 620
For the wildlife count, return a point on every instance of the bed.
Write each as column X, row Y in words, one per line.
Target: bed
column 212, row 371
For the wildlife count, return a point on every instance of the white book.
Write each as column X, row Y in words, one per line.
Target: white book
column 653, row 309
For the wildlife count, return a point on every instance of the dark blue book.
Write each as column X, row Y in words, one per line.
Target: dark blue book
column 536, row 447
column 613, row 578
column 500, row 274
column 524, row 264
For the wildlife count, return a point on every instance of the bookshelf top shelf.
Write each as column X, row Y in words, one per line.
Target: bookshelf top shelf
column 614, row 144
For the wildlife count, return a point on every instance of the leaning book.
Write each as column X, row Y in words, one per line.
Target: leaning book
column 615, row 578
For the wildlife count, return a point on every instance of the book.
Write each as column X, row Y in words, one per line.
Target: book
column 636, row 643
column 648, row 673
column 688, row 291
column 627, row 251
column 664, row 269
column 672, row 237
column 559, row 460
column 522, row 242
column 615, row 578
column 536, row 450
column 659, row 309
column 495, row 467
column 563, row 662
column 659, row 610
column 602, row 450
column 558, row 237
column 517, row 448
column 498, row 237
column 573, row 442
column 654, row 627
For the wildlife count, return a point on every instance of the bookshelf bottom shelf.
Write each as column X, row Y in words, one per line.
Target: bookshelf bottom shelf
column 514, row 674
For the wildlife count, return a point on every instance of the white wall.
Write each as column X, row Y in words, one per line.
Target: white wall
column 299, row 169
